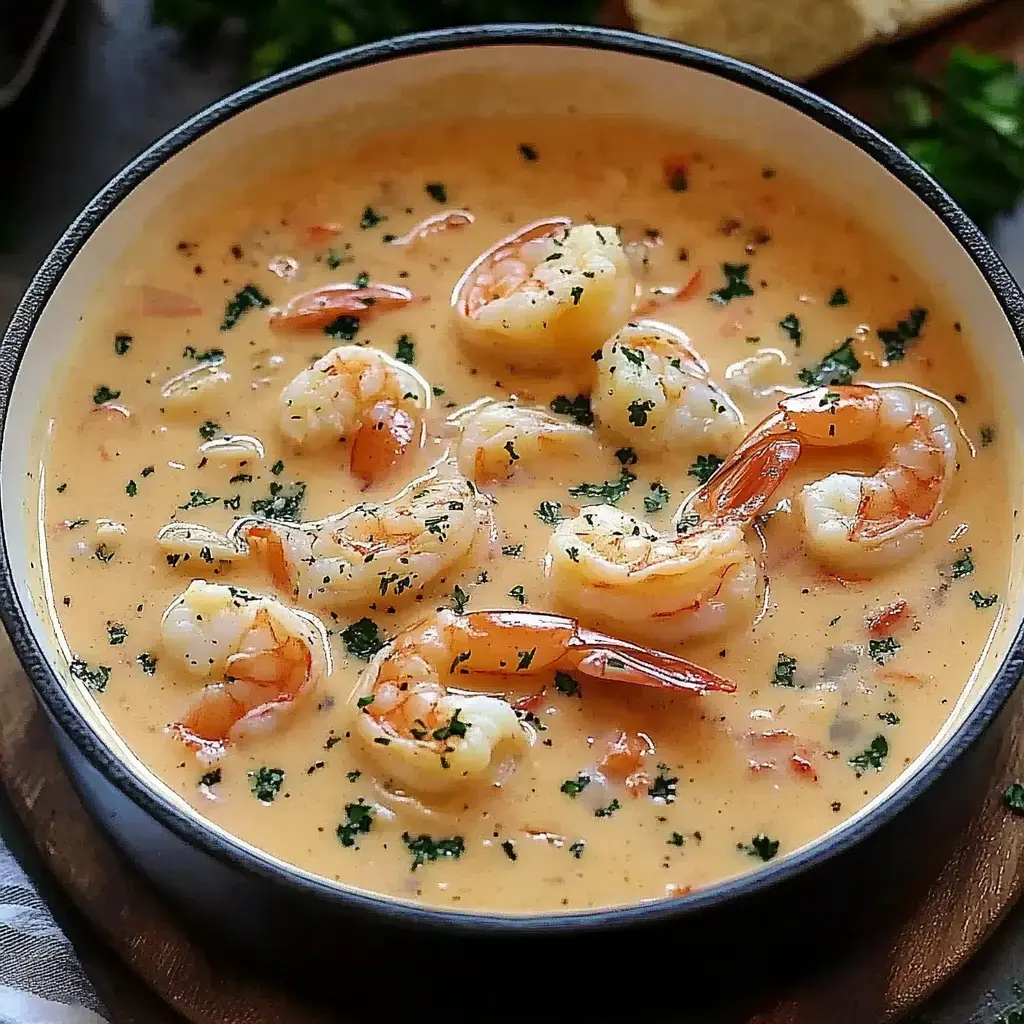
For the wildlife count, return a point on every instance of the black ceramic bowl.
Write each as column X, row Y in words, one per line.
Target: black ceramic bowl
column 764, row 924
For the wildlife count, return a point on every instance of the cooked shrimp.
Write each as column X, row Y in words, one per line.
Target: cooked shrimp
column 499, row 439
column 392, row 549
column 655, row 394
column 319, row 308
column 430, row 737
column 547, row 295
column 261, row 656
column 613, row 569
column 864, row 523
column 435, row 224
column 362, row 396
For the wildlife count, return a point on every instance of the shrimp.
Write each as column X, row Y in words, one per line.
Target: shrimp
column 359, row 395
column 654, row 393
column 319, row 308
column 867, row 522
column 261, row 656
column 547, row 295
column 498, row 438
column 392, row 549
column 614, row 569
column 430, row 737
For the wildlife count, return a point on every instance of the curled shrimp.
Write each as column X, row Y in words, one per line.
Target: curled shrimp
column 319, row 308
column 260, row 656
column 866, row 522
column 614, row 569
column 361, row 396
column 430, row 737
column 436, row 223
column 499, row 439
column 391, row 550
column 655, row 394
column 547, row 295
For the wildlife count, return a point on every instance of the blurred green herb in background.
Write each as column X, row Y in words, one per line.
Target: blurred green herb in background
column 966, row 127
column 280, row 33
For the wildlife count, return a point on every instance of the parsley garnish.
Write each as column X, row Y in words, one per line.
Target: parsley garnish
column 1013, row 798
column 265, row 783
column 249, row 297
column 889, row 717
column 564, row 683
column 122, row 342
column 607, row 812
column 573, row 787
column 963, row 566
column 884, row 649
column 459, row 599
column 657, row 499
column 116, row 634
column 512, row 550
column 785, row 670
column 104, row 394
column 335, row 259
column 353, row 775
column 704, row 468
column 147, row 663
column 528, row 153
column 577, row 409
column 405, row 350
column 576, row 848
column 626, row 456
column 611, row 491
column 370, row 218
column 208, row 430
column 872, row 757
column 197, row 499
column 839, row 298
column 663, row 787
column 94, row 678
column 790, row 325
column 838, row 367
column 344, row 328
column 147, row 471
column 453, row 727
column 760, row 846
column 131, row 488
column 277, row 468
column 358, row 820
column 211, row 355
column 550, row 512
column 638, row 411
column 983, row 600
column 211, row 778
column 362, row 639
column 436, row 191
column 735, row 287
column 284, row 503
column 518, row 593
column 425, row 848
column 895, row 339
column 676, row 839
column 510, row 850
column 241, row 478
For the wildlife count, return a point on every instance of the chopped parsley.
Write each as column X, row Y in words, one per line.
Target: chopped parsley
column 453, row 727
column 611, row 491
column 277, row 468
column 147, row 663
column 573, row 787
column 735, row 287
column 884, row 649
column 103, row 553
column 564, row 683
column 889, row 717
column 425, row 848
column 704, row 468
column 284, row 502
column 211, row 778
column 510, row 850
column 790, row 325
column 963, row 566
column 362, row 279
column 358, row 821
column 577, row 409
column 198, row 499
column 988, row 435
column 839, row 298
column 147, row 471
column 208, row 430
column 131, row 488
column 638, row 411
column 576, row 848
column 370, row 218
column 94, row 678
column 657, row 499
column 518, row 593
column 405, row 350
column 436, row 191
column 353, row 775
column 459, row 599
column 241, row 478
column 577, row 294
column 335, row 259
column 211, row 355
column 607, row 812
column 116, row 634
column 785, row 670
column 265, row 783
column 344, row 328
column 550, row 512
column 104, row 394
column 512, row 550
column 1013, row 798
column 528, row 153
column 983, row 600
column 626, row 456
column 122, row 342
column 676, row 839
column 895, row 339
column 838, row 367
column 663, row 787
column 760, row 846
column 362, row 639
column 249, row 297
column 871, row 757
column 688, row 522
column 526, row 659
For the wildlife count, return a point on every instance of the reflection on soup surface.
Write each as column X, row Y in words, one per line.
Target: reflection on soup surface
column 524, row 516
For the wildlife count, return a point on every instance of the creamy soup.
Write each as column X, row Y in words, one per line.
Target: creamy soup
column 550, row 594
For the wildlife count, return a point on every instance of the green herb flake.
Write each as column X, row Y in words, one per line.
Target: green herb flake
column 358, row 821
column 370, row 218
column 1013, row 798
column 363, row 639
column 576, row 848
column 103, row 553
column 550, row 512
column 209, row 430
column 405, row 350
column 460, row 599
column 211, row 778
column 147, row 471
column 963, row 566
column 277, row 469
column 735, row 287
column 425, row 848
column 335, row 259
column 198, row 499
column 610, row 492
column 131, row 488
column 564, row 683
column 362, row 279
column 249, row 297
column 577, row 409
column 122, row 343
column 785, row 671
column 626, row 456
column 884, row 649
column 871, row 757
column 895, row 339
column 839, row 298
column 116, row 634
column 510, row 850
column 790, row 325
column 704, row 468
column 436, row 191
column 518, row 593
column 343, row 328
column 760, row 846
column 983, row 600
column 512, row 550
column 265, row 783
column 607, row 812
column 455, row 726
column 95, row 679
column 638, row 411
column 657, row 499
column 147, row 663
column 676, row 839
column 837, row 368
column 353, row 775
column 663, row 788
column 104, row 394
column 284, row 503
column 211, row 355
column 889, row 717
column 573, row 787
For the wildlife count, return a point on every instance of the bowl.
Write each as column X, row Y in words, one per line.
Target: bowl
column 254, row 904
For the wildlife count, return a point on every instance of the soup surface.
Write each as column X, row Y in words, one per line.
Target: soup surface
column 849, row 618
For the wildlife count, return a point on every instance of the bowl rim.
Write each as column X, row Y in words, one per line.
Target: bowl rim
column 232, row 852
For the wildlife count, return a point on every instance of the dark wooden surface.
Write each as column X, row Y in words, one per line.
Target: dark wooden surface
column 109, row 86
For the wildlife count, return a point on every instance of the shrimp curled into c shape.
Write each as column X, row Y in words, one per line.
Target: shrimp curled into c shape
column 430, row 738
column 545, row 296
column 261, row 656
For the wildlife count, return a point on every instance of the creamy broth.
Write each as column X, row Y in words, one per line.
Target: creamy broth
column 841, row 709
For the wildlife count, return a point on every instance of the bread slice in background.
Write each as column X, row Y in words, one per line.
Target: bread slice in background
column 794, row 38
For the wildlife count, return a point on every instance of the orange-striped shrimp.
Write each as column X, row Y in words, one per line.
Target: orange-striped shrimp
column 319, row 308
column 430, row 737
